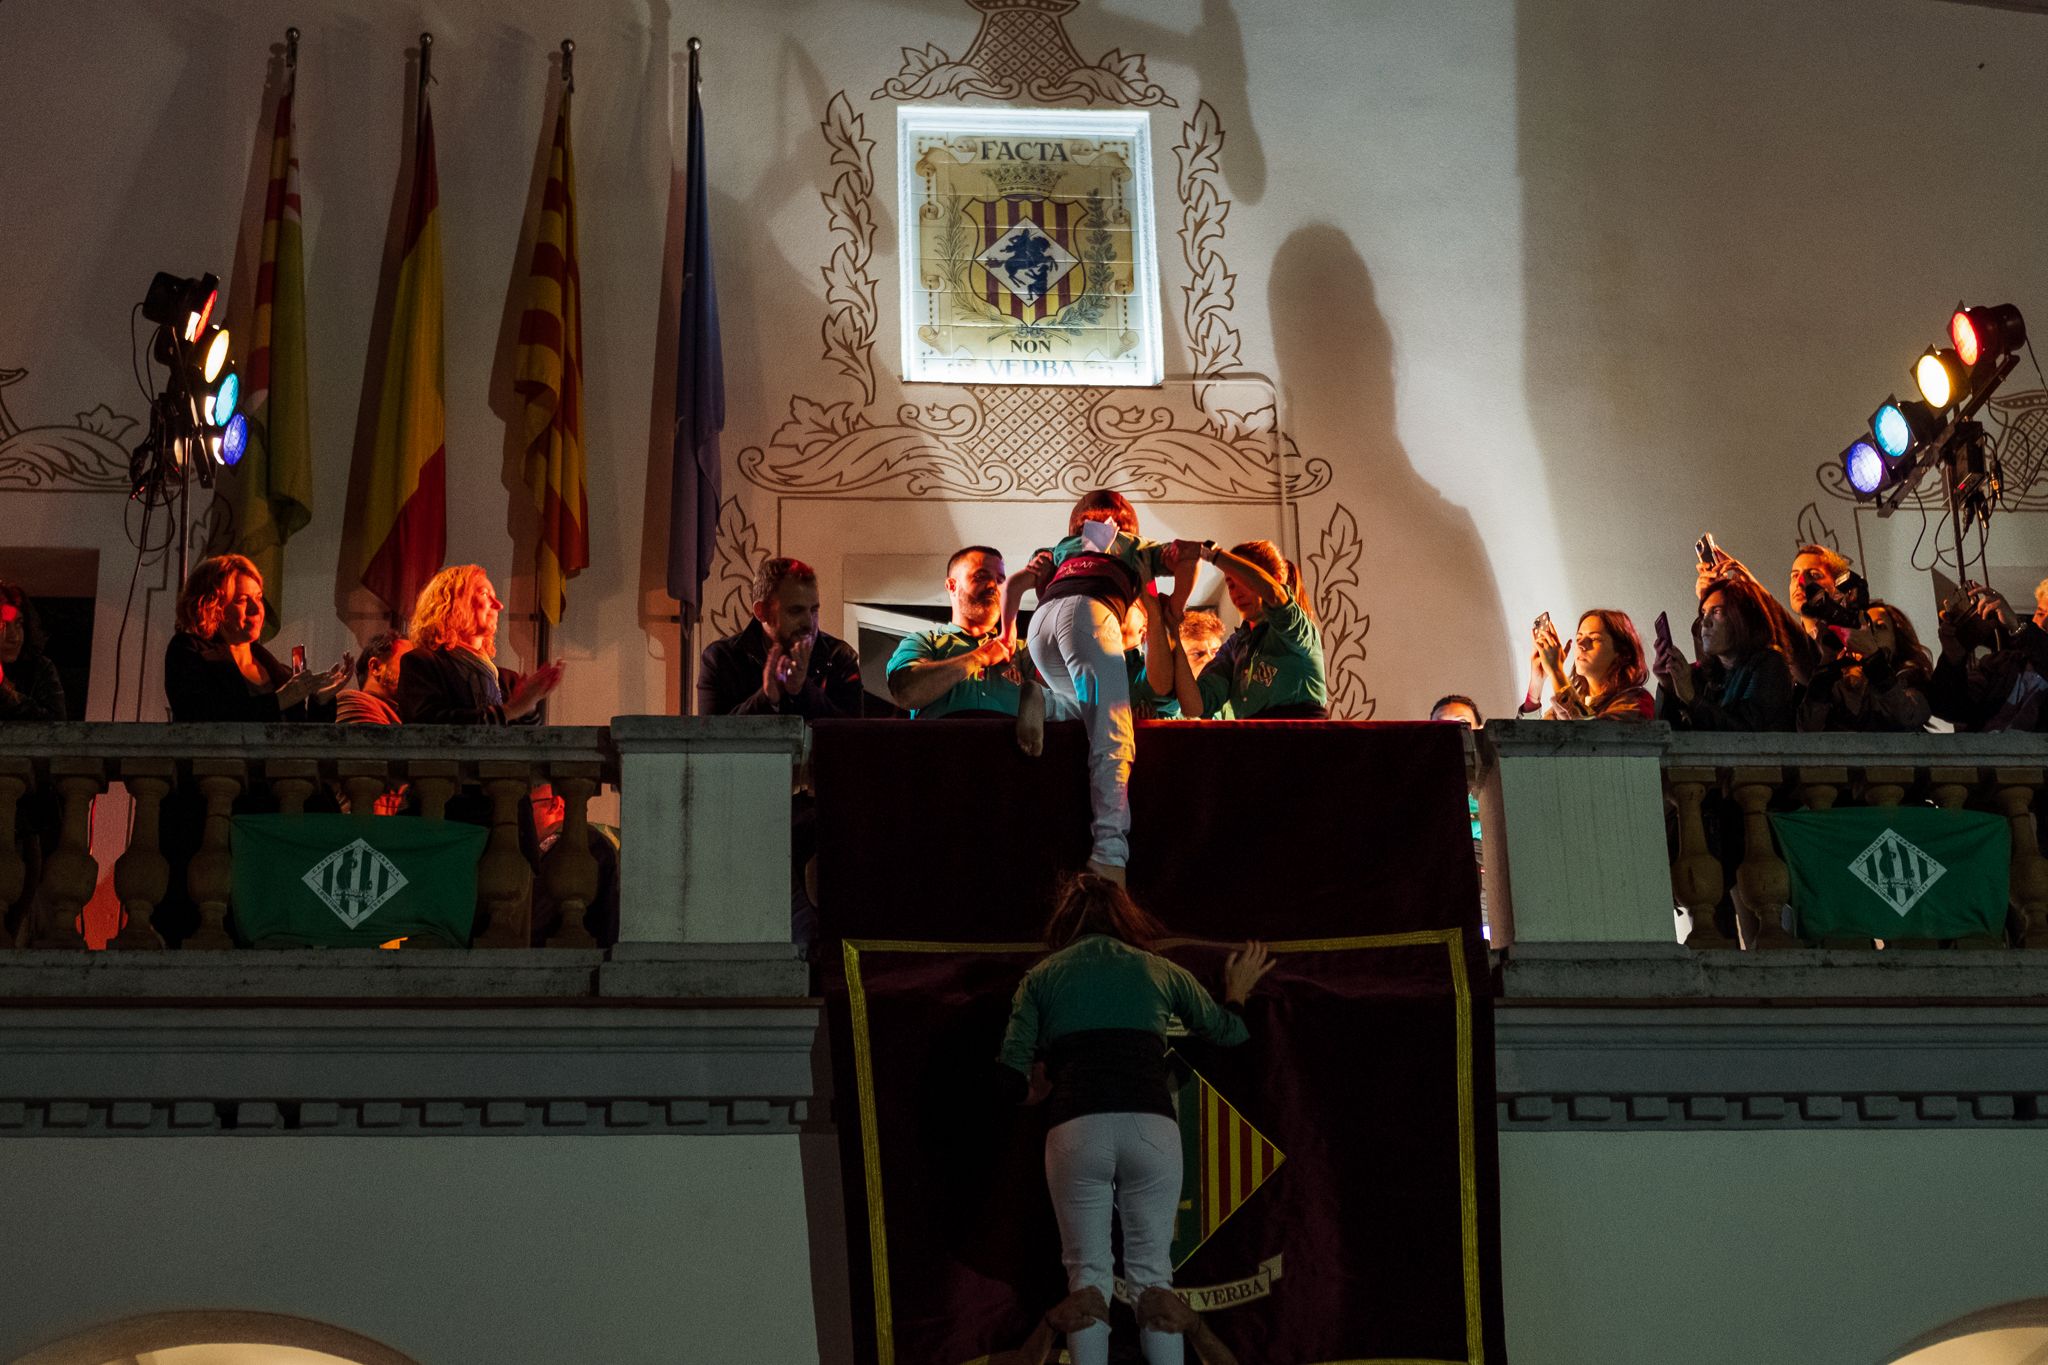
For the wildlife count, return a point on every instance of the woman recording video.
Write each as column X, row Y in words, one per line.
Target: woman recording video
column 1607, row 669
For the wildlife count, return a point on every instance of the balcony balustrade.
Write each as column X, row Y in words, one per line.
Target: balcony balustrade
column 726, row 781
column 1594, row 830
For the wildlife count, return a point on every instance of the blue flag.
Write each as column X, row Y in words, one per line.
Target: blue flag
column 700, row 392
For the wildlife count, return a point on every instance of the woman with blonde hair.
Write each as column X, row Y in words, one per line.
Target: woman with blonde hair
column 216, row 668
column 1271, row 667
column 450, row 676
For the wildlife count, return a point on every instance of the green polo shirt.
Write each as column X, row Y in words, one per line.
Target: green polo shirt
column 1100, row 982
column 1278, row 662
column 994, row 690
column 1145, row 703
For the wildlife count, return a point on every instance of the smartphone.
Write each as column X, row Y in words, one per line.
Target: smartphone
column 1709, row 553
column 1662, row 625
column 298, row 658
column 1542, row 620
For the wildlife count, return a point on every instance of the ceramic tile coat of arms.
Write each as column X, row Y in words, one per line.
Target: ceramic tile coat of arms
column 1028, row 240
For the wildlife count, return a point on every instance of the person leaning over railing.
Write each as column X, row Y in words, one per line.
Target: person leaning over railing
column 1607, row 670
column 1742, row 682
column 1875, row 677
column 30, row 689
column 1271, row 667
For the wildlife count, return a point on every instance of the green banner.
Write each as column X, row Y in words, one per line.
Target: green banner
column 1896, row 872
column 338, row 881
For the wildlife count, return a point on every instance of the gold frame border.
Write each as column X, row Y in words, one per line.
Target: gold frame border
column 1468, row 1164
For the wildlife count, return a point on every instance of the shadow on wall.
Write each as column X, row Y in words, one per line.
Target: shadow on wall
column 1696, row 209
column 1425, row 579
column 306, row 1341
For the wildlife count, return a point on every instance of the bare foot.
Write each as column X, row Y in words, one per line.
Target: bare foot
column 1107, row 872
column 1031, row 720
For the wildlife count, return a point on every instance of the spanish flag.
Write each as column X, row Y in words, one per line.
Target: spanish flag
column 269, row 493
column 550, row 383
column 405, row 513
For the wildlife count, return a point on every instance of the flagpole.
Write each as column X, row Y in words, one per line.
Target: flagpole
column 685, row 697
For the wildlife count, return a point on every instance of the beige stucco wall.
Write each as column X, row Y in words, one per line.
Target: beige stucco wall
column 1546, row 288
column 451, row 1250
column 1766, row 1248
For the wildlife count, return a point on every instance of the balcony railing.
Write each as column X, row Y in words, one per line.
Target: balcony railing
column 726, row 780
column 1578, row 846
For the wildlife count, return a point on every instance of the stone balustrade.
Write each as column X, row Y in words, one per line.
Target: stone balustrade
column 1594, row 830
column 705, row 817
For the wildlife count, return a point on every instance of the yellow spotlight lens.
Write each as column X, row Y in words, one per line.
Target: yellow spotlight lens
column 1937, row 382
column 216, row 355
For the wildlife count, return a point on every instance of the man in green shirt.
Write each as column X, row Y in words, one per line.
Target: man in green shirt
column 963, row 668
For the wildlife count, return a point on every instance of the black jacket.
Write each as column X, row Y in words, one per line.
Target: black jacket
column 1756, row 694
column 729, row 679
column 32, row 690
column 444, row 687
column 201, row 682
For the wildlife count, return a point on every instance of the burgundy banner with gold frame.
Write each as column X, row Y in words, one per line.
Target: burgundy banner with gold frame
column 1339, row 1201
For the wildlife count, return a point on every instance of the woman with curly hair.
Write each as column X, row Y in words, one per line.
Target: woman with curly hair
column 450, row 676
column 29, row 686
column 216, row 668
column 1087, row 1037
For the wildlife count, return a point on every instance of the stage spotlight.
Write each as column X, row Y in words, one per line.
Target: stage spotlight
column 1940, row 377
column 234, row 439
column 225, row 400
column 187, row 304
column 1902, row 424
column 1865, row 468
column 1987, row 333
column 213, row 353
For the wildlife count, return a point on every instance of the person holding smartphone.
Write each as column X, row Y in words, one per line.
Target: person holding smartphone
column 1741, row 681
column 1607, row 669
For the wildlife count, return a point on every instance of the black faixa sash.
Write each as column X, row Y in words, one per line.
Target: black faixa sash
column 1102, row 577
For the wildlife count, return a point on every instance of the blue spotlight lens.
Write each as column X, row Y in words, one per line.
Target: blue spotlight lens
column 1894, row 436
column 225, row 400
column 1865, row 467
column 233, row 437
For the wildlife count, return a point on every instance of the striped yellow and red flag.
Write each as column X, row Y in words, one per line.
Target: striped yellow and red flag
column 1225, row 1159
column 404, row 524
column 549, row 381
column 269, row 492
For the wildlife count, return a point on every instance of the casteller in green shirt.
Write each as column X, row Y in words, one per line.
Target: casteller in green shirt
column 1099, row 982
column 1273, row 667
column 994, row 691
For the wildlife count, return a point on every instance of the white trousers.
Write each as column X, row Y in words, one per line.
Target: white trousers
column 1078, row 645
column 1126, row 1166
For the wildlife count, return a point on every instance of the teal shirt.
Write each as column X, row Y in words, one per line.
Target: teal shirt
column 1144, row 558
column 1145, row 703
column 1278, row 662
column 1100, row 982
column 994, row 690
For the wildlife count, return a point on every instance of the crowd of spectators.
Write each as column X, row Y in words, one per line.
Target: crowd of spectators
column 1835, row 659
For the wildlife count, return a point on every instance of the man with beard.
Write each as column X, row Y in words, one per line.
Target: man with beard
column 965, row 669
column 960, row 669
column 781, row 664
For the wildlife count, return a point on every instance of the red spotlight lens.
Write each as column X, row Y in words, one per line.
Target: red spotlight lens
column 196, row 323
column 1963, row 331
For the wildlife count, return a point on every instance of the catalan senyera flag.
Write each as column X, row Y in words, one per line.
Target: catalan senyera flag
column 269, row 493
column 549, row 381
column 404, row 529
column 1224, row 1160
